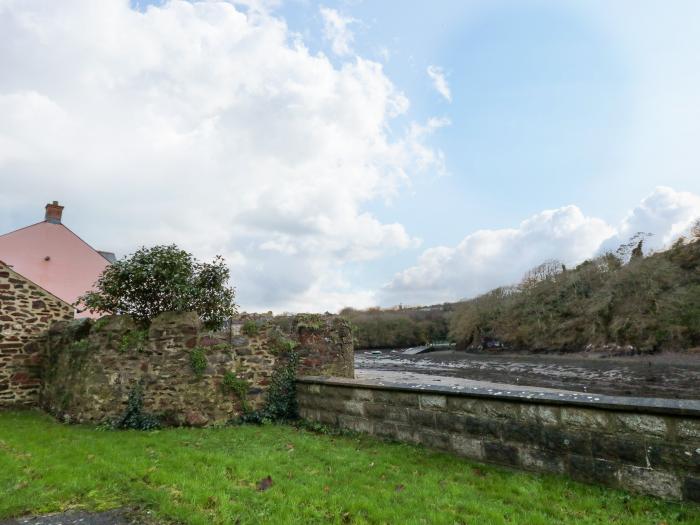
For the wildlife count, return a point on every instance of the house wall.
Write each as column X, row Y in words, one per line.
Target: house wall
column 72, row 266
column 91, row 367
column 26, row 310
column 642, row 445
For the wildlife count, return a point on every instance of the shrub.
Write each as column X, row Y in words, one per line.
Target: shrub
column 281, row 402
column 163, row 279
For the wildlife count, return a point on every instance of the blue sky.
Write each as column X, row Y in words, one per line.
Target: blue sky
column 304, row 151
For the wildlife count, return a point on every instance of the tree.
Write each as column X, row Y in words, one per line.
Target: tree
column 163, row 279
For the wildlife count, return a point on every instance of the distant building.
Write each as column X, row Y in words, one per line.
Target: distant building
column 52, row 256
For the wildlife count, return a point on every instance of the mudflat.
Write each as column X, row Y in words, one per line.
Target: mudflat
column 665, row 375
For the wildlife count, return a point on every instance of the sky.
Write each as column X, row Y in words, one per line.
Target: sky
column 354, row 153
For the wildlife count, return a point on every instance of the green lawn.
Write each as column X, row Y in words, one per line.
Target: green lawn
column 212, row 476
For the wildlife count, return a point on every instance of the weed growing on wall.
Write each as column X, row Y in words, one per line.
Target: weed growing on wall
column 134, row 417
column 310, row 322
column 134, row 340
column 279, row 343
column 198, row 360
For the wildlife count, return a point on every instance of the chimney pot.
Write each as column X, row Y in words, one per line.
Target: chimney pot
column 53, row 213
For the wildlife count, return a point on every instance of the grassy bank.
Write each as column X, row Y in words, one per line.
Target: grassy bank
column 213, row 476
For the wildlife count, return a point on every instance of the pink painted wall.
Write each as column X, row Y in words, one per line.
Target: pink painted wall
column 72, row 268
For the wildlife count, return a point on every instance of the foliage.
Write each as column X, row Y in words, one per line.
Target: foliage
column 134, row 417
column 134, row 339
column 163, row 279
column 234, row 384
column 399, row 327
column 309, row 322
column 281, row 401
column 198, row 360
column 250, row 328
column 190, row 476
column 279, row 343
column 623, row 298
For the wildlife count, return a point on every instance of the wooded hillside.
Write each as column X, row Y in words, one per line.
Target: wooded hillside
column 624, row 298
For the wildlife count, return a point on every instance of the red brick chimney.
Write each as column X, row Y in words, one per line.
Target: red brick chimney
column 53, row 213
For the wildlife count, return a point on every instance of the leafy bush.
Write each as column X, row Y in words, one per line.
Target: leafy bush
column 134, row 417
column 233, row 384
column 163, row 279
column 134, row 339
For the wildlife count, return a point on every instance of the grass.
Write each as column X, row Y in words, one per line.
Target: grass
column 212, row 476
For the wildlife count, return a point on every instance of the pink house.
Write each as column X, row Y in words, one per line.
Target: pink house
column 55, row 258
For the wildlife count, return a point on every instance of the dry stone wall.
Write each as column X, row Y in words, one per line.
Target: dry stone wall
column 188, row 376
column 26, row 310
column 641, row 445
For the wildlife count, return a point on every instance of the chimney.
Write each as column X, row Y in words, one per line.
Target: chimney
column 53, row 213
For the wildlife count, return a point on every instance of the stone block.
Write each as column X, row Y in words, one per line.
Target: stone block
column 595, row 470
column 358, row 424
column 432, row 402
column 482, row 427
column 354, row 408
column 691, row 489
column 689, row 430
column 421, row 418
column 650, row 481
column 385, row 430
column 523, row 432
column 405, row 399
column 467, row 447
column 565, row 441
column 498, row 452
column 641, row 424
column 436, row 440
column 619, row 448
column 464, row 405
column 363, row 394
column 397, row 414
column 450, row 422
column 585, row 419
column 541, row 460
column 375, row 410
column 541, row 414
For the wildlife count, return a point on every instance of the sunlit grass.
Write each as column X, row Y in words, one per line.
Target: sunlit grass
column 211, row 476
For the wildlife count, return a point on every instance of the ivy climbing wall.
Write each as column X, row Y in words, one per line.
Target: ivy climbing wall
column 188, row 376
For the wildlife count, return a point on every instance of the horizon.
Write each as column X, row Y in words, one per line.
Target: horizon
column 350, row 154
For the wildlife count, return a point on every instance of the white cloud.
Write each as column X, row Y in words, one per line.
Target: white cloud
column 437, row 75
column 666, row 213
column 204, row 125
column 336, row 29
column 486, row 259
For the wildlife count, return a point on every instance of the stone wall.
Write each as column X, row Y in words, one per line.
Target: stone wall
column 642, row 445
column 188, row 375
column 26, row 310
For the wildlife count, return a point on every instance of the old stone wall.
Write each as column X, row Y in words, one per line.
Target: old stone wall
column 641, row 445
column 188, row 375
column 26, row 310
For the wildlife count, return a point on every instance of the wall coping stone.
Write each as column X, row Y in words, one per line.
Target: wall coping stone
column 645, row 405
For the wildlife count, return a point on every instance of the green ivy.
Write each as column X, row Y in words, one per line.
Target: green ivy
column 281, row 402
column 250, row 328
column 134, row 339
column 231, row 383
column 134, row 417
column 198, row 360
